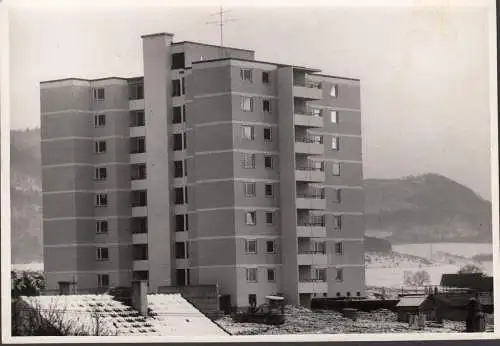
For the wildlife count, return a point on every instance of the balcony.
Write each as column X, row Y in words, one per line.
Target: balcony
column 308, row 90
column 314, row 200
column 313, row 286
column 308, row 119
column 311, row 227
column 139, row 238
column 309, row 173
column 307, row 258
column 312, row 145
column 140, row 265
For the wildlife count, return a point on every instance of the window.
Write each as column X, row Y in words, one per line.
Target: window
column 184, row 137
column 102, row 254
column 251, row 218
column 142, row 275
column 358, row 294
column 334, row 117
column 337, row 194
column 101, row 226
column 319, row 274
column 140, row 252
column 178, row 61
column 138, row 171
column 181, row 222
column 246, row 74
column 268, row 134
column 101, row 200
column 180, row 250
column 137, row 118
column 137, row 145
column 176, row 87
column 252, row 275
column 247, row 104
column 99, row 94
column 348, row 294
column 139, row 224
column 334, row 91
column 102, row 280
column 269, row 217
column 335, row 143
column 136, row 89
column 248, row 160
column 319, row 247
column 338, row 294
column 251, row 246
column 271, row 275
column 178, row 169
column 177, row 115
column 185, row 194
column 99, row 120
column 269, row 190
column 270, row 246
column 339, row 275
column 180, row 277
column 101, row 173
column 183, row 85
column 248, row 132
column 179, row 195
column 139, row 198
column 316, row 112
column 268, row 162
column 337, row 222
column 177, row 141
column 265, row 77
column 100, row 147
column 266, row 106
column 336, row 169
column 250, row 189
column 184, row 113
column 252, row 299
column 339, row 249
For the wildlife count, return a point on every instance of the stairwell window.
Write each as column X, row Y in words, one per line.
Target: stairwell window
column 335, row 143
column 339, row 275
column 251, row 246
column 101, row 226
column 248, row 132
column 334, row 90
column 339, row 249
column 337, row 222
column 334, row 117
column 101, row 173
column 101, row 200
column 250, row 189
column 100, row 147
column 98, row 94
column 336, row 169
column 251, row 274
column 102, row 280
column 268, row 134
column 271, row 275
column 250, row 218
column 337, row 196
column 266, row 106
column 246, row 74
column 99, row 120
column 247, row 104
column 102, row 254
column 248, row 161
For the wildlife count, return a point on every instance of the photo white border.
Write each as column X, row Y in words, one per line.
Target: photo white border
column 5, row 167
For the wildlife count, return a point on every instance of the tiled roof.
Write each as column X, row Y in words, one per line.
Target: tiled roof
column 170, row 315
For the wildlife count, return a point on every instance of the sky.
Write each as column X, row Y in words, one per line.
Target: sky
column 424, row 70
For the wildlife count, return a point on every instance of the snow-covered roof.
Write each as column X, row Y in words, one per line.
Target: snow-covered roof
column 177, row 316
column 171, row 315
column 411, row 301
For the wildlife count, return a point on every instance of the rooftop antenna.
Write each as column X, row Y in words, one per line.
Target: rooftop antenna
column 221, row 22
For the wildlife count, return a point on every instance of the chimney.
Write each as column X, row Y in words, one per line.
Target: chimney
column 140, row 296
column 67, row 288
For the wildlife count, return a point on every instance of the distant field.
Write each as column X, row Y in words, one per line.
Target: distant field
column 35, row 266
column 461, row 249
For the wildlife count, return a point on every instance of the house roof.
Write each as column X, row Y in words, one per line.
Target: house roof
column 170, row 314
column 411, row 301
column 475, row 281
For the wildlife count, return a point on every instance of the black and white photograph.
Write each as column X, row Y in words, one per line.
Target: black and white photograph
column 225, row 170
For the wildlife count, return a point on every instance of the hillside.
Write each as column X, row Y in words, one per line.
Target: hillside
column 427, row 208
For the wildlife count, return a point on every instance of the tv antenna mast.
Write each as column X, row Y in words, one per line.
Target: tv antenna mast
column 221, row 22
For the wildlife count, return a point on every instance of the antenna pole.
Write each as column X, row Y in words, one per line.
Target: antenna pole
column 220, row 23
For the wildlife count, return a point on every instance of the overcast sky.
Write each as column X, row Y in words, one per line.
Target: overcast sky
column 424, row 71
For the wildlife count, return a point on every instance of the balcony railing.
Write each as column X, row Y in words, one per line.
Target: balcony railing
column 312, row 252
column 308, row 113
column 308, row 84
column 312, row 195
column 310, row 168
column 311, row 280
column 309, row 139
column 313, row 222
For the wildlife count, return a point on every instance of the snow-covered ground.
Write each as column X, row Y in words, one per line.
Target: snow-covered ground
column 34, row 266
column 461, row 249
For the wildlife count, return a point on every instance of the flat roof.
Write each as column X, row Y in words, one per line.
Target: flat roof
column 157, row 34
column 259, row 62
column 338, row 77
column 212, row 45
column 87, row 80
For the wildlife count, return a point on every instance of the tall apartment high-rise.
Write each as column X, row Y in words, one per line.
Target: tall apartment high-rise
column 213, row 168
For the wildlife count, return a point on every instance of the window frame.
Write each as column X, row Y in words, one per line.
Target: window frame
column 99, row 198
column 248, row 243
column 243, row 103
column 250, row 215
column 266, row 214
column 255, row 274
column 266, row 186
column 269, row 136
column 248, row 132
column 100, row 280
column 250, row 189
column 98, row 174
column 99, row 120
column 246, row 74
column 99, row 254
column 271, row 270
column 101, row 226
column 100, row 147
column 137, row 145
column 334, row 117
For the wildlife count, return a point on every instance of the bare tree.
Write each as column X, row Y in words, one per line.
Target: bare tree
column 470, row 269
column 418, row 279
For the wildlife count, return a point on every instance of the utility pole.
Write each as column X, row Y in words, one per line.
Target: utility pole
column 220, row 23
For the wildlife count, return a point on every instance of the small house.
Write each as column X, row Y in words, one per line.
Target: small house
column 475, row 282
column 417, row 305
